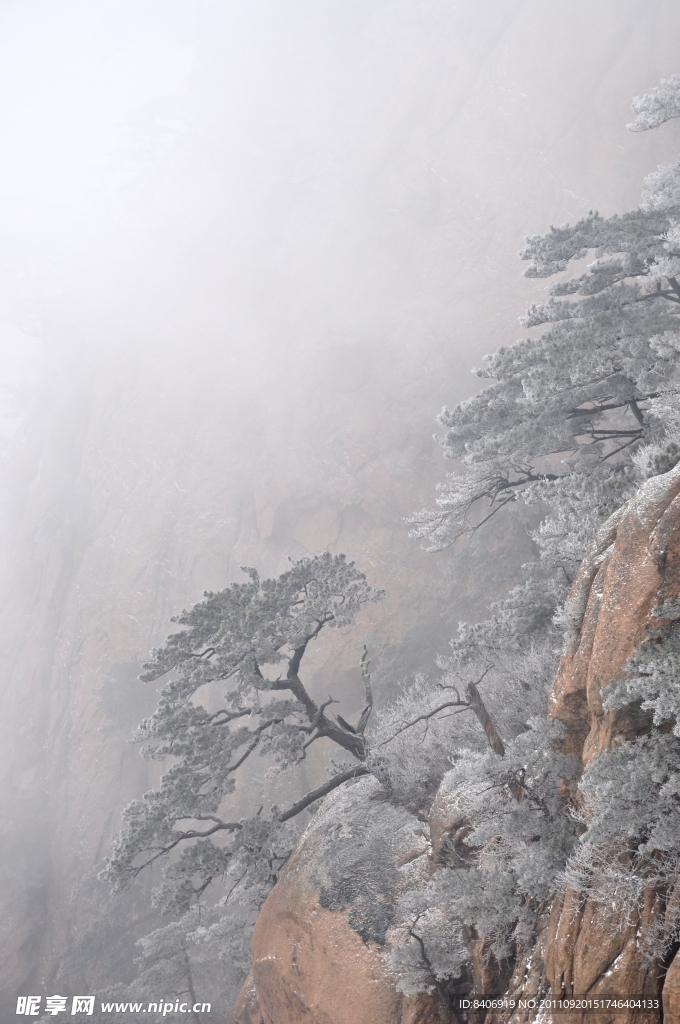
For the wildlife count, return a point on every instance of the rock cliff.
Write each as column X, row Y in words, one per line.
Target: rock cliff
column 316, row 943
column 632, row 567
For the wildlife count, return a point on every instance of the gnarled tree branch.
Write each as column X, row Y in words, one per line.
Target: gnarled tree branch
column 351, row 773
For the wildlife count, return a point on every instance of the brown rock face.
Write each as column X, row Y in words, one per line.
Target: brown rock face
column 633, row 566
column 247, row 1008
column 319, row 939
column 671, row 994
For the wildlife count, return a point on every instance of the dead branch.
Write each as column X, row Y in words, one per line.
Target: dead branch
column 476, row 704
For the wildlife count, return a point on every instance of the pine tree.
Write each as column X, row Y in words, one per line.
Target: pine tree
column 575, row 418
column 242, row 634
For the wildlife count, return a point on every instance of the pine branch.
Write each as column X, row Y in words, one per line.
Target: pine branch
column 230, row 826
column 351, row 773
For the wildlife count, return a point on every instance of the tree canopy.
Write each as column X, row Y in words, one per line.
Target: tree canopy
column 577, row 400
column 242, row 634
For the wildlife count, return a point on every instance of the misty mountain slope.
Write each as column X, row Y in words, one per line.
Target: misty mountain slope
column 254, row 297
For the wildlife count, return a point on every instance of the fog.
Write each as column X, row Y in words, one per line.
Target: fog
column 247, row 251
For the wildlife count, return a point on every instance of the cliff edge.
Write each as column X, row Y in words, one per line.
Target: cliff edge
column 318, row 941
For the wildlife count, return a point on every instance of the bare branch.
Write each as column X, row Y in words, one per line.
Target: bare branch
column 208, row 653
column 366, row 676
column 319, row 714
column 345, row 725
column 622, row 447
column 450, row 686
column 315, row 724
column 636, row 411
column 351, row 773
column 476, row 703
column 308, row 743
column 463, row 704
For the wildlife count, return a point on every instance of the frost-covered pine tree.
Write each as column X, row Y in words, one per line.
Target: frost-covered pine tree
column 568, row 410
column 511, row 836
column 252, row 636
column 575, row 418
column 189, row 963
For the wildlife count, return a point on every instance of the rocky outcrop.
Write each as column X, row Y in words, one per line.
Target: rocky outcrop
column 316, row 944
column 247, row 1008
column 633, row 566
column 319, row 939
